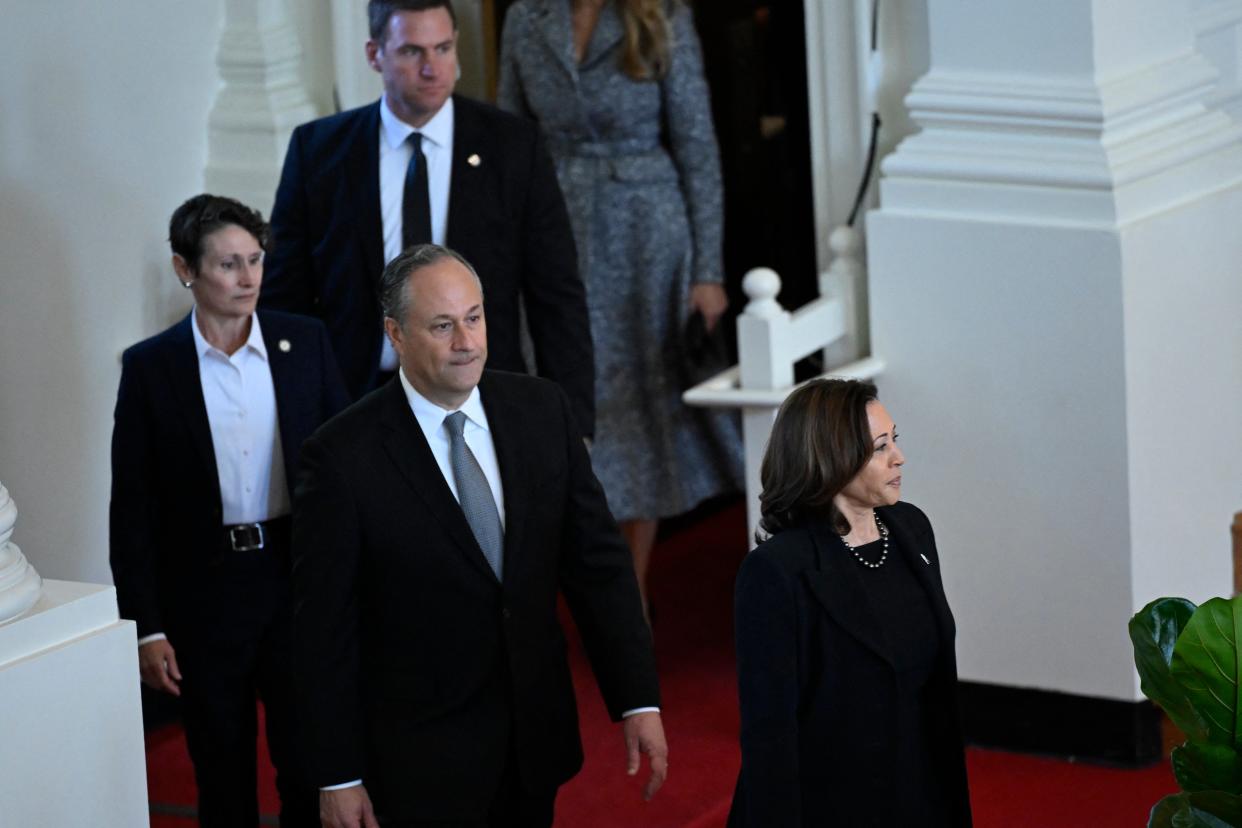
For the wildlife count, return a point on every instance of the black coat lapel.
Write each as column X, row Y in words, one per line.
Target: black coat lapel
column 924, row 564
column 468, row 195
column 362, row 165
column 838, row 587
column 285, row 383
column 409, row 452
column 183, row 378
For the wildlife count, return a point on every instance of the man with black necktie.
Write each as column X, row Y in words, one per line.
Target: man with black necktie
column 435, row 521
column 355, row 192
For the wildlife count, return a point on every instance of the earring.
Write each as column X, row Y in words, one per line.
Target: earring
column 186, row 284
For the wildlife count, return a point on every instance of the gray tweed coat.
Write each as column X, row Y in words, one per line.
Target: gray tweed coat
column 639, row 166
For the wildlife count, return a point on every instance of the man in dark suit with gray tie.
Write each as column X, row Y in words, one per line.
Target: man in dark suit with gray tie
column 424, row 165
column 435, row 522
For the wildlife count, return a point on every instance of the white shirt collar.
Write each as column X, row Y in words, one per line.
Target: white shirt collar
column 431, row 416
column 439, row 130
column 254, row 342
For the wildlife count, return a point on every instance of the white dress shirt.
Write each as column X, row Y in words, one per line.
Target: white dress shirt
column 245, row 434
column 477, row 434
column 394, row 159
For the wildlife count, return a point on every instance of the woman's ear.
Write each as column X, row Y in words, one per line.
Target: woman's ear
column 182, row 268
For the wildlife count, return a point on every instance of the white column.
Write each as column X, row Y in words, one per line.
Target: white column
column 260, row 103
column 1054, row 288
column 356, row 82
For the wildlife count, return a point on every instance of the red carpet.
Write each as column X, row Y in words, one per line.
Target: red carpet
column 692, row 584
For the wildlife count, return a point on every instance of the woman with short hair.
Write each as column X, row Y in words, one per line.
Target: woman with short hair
column 210, row 419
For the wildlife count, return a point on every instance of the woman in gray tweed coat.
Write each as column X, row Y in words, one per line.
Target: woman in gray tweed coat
column 618, row 88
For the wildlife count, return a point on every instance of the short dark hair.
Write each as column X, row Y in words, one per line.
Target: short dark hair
column 379, row 11
column 820, row 441
column 394, row 297
column 203, row 215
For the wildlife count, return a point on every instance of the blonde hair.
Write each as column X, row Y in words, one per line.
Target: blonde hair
column 648, row 39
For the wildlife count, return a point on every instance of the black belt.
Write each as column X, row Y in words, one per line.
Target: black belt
column 253, row 537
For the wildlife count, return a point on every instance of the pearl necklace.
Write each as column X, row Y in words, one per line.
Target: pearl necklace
column 883, row 553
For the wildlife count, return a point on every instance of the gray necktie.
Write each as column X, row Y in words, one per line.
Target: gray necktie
column 475, row 495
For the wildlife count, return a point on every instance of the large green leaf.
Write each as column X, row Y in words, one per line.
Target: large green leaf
column 1204, row 809
column 1206, row 664
column 1200, row 766
column 1154, row 631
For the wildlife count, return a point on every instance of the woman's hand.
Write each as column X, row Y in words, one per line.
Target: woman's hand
column 709, row 299
column 157, row 662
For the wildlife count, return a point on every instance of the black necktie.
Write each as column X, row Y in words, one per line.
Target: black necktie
column 415, row 201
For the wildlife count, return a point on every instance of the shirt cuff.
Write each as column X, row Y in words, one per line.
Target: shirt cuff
column 147, row 639
column 342, row 786
column 638, row 710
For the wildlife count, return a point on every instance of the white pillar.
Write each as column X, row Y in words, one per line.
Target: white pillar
column 260, row 103
column 1054, row 288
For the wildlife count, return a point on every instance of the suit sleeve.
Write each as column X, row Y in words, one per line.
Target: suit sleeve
column 766, row 637
column 287, row 283
column 132, row 533
column 597, row 580
column 335, row 395
column 692, row 141
column 556, row 309
column 326, row 541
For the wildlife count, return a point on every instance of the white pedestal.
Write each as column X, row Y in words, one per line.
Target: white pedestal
column 72, row 750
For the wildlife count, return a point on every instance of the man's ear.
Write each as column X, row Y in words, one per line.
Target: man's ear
column 393, row 330
column 373, row 50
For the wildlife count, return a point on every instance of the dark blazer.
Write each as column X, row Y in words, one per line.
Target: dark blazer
column 166, row 515
column 506, row 217
column 418, row 670
column 817, row 686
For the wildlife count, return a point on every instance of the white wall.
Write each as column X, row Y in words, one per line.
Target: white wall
column 1007, row 384
column 102, row 134
column 1183, row 321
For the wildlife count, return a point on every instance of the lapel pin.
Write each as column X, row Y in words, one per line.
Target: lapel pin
column 284, row 346
column 924, row 557
column 474, row 160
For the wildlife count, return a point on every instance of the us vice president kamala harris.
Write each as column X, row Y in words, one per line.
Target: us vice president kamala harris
column 846, row 669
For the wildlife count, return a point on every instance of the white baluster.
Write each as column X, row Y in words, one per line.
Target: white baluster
column 845, row 280
column 20, row 585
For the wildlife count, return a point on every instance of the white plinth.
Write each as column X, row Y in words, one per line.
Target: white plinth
column 72, row 749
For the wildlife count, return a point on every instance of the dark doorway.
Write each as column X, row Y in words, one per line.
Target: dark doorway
column 754, row 53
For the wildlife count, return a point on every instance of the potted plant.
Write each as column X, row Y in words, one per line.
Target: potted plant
column 1190, row 662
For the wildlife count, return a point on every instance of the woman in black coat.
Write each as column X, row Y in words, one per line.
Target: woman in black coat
column 846, row 669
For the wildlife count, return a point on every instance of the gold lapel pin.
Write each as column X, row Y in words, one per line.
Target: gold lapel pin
column 474, row 160
column 284, row 346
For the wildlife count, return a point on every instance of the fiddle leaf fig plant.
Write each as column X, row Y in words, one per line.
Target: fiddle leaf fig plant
column 1189, row 660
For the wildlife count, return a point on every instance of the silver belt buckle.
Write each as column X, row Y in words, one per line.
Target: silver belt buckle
column 247, row 537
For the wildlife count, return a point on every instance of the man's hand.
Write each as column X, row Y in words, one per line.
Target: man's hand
column 644, row 733
column 346, row 808
column 157, row 664
column 709, row 299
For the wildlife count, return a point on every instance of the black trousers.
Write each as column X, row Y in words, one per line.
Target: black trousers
column 228, row 660
column 512, row 807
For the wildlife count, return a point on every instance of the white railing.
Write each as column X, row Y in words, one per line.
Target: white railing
column 771, row 339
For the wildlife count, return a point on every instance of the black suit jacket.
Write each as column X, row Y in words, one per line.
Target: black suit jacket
column 166, row 514
column 817, row 686
column 506, row 216
column 418, row 670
